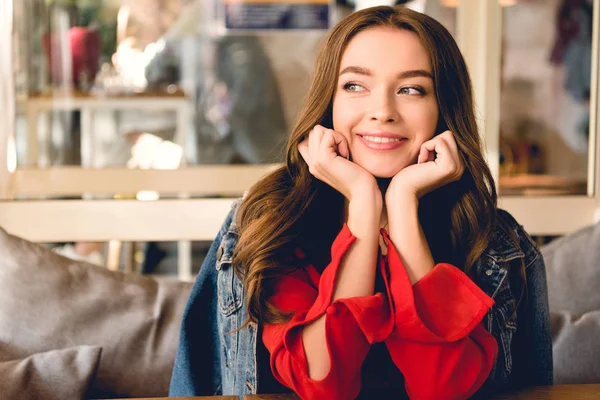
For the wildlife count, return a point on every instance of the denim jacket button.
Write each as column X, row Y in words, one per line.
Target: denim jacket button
column 489, row 272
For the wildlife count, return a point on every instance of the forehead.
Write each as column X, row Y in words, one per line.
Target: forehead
column 383, row 48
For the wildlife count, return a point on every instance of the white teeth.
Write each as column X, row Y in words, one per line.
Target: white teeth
column 379, row 139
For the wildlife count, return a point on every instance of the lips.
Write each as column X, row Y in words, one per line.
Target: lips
column 381, row 140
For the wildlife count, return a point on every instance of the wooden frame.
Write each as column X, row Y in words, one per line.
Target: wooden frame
column 104, row 220
column 7, row 97
column 479, row 37
column 206, row 180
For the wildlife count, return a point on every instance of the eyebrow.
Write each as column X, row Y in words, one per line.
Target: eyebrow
column 403, row 75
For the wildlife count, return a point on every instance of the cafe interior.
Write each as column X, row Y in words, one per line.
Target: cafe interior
column 128, row 128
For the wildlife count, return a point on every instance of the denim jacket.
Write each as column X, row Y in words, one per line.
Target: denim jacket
column 211, row 360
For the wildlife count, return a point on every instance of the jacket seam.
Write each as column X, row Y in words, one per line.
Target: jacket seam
column 537, row 256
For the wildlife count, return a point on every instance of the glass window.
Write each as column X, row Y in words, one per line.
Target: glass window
column 161, row 84
column 152, row 84
column 545, row 97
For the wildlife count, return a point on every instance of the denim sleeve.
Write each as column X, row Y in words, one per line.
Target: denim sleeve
column 532, row 350
column 194, row 372
column 531, row 346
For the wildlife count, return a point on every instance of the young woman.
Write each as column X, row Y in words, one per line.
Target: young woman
column 375, row 262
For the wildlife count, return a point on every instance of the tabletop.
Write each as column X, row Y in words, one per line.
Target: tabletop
column 556, row 392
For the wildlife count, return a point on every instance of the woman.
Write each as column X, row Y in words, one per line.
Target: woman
column 375, row 262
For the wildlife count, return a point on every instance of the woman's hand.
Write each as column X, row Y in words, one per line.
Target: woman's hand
column 438, row 164
column 327, row 154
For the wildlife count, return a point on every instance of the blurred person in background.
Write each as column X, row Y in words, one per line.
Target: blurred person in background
column 238, row 112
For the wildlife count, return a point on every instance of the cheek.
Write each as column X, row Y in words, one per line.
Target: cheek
column 426, row 119
column 345, row 114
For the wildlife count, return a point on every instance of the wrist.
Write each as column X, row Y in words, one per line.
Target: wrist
column 403, row 200
column 364, row 214
column 399, row 190
column 401, row 210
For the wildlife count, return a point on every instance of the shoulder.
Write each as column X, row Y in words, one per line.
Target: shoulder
column 511, row 241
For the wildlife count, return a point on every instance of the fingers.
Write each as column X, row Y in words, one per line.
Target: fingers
column 451, row 141
column 431, row 148
column 425, row 155
column 443, row 144
column 341, row 144
column 444, row 151
column 322, row 151
column 452, row 146
column 333, row 145
column 323, row 144
column 314, row 142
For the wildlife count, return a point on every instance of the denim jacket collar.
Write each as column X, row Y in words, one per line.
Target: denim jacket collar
column 502, row 249
column 491, row 268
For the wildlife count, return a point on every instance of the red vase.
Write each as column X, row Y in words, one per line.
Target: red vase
column 84, row 45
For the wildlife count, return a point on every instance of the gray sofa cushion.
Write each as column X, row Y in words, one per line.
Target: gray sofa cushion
column 49, row 302
column 52, row 375
column 573, row 269
column 573, row 272
column 576, row 347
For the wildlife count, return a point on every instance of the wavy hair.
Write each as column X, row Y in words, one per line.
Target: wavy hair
column 289, row 208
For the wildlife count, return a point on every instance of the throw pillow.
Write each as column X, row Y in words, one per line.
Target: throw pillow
column 50, row 302
column 57, row 374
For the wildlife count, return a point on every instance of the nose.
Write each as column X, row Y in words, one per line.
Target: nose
column 384, row 109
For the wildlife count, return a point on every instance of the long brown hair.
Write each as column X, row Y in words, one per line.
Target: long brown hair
column 290, row 208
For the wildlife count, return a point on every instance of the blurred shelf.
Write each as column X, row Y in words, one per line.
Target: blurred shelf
column 541, row 185
column 78, row 94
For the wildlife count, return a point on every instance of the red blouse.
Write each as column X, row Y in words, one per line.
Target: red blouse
column 432, row 330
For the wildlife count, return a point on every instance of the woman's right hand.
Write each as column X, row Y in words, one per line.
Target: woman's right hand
column 326, row 153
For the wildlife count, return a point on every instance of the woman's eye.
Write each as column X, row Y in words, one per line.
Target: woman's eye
column 411, row 90
column 353, row 87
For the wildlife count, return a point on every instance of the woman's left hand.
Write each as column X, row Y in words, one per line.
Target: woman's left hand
column 438, row 164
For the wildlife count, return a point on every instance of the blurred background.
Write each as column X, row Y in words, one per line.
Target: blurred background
column 131, row 125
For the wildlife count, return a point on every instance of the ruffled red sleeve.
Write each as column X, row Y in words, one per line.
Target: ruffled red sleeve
column 438, row 342
column 432, row 329
column 351, row 326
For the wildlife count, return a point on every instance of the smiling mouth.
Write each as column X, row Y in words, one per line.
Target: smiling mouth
column 381, row 139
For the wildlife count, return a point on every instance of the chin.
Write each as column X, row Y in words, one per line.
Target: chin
column 382, row 171
column 382, row 167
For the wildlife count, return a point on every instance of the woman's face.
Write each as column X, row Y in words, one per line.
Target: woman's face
column 384, row 103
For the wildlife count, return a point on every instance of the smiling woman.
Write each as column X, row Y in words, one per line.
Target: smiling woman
column 375, row 262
